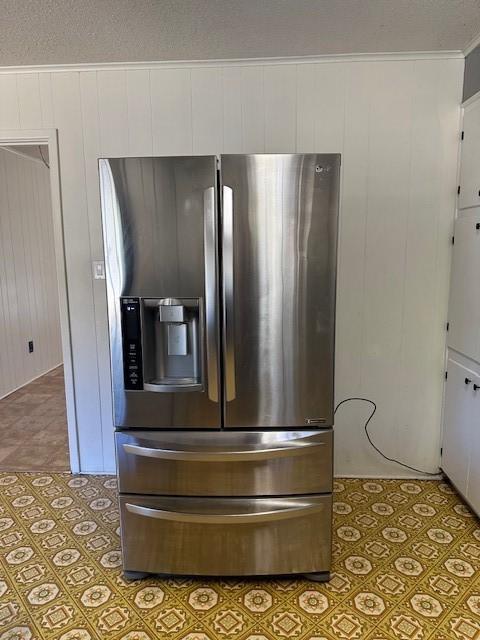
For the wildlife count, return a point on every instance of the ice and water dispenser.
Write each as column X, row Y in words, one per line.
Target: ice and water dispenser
column 162, row 344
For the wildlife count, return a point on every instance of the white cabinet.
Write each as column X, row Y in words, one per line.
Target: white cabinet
column 473, row 484
column 461, row 426
column 461, row 423
column 464, row 307
column 470, row 158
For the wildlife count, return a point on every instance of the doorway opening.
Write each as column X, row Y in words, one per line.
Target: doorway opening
column 34, row 429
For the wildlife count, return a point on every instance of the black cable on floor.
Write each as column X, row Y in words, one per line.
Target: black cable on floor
column 402, row 464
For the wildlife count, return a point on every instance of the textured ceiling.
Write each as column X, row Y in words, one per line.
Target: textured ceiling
column 74, row 31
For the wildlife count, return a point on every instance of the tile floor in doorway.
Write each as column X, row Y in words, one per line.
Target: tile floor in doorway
column 406, row 567
column 33, row 426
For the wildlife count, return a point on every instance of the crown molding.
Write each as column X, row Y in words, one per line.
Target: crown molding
column 241, row 62
column 473, row 44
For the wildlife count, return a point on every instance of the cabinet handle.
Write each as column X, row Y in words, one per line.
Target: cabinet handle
column 477, row 226
column 476, row 386
column 467, row 380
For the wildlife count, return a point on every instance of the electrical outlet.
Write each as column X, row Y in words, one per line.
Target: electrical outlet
column 30, row 346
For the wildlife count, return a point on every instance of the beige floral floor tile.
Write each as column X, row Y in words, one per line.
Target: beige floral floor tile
column 406, row 567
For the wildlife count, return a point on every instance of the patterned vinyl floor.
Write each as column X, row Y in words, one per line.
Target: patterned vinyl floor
column 407, row 559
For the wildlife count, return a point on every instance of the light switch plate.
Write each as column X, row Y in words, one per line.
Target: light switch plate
column 98, row 267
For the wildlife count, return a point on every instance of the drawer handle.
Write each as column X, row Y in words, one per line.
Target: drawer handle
column 303, row 509
column 220, row 456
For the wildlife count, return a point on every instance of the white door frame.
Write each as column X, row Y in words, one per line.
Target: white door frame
column 50, row 137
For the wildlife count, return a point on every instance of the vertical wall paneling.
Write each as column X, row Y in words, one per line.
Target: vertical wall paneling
column 93, row 151
column 351, row 274
column 46, row 101
column 422, row 330
column 389, row 202
column 18, row 257
column 11, row 366
column 253, row 109
column 28, row 283
column 280, row 86
column 29, row 101
column 9, row 108
column 112, row 108
column 171, row 97
column 396, row 123
column 207, row 111
column 320, row 107
column 139, row 113
column 47, row 264
column 68, row 120
column 232, row 109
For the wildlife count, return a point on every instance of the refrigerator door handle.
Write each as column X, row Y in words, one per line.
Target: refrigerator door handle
column 221, row 456
column 227, row 251
column 297, row 511
column 210, row 292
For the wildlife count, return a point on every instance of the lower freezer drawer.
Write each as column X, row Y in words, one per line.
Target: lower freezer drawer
column 226, row 537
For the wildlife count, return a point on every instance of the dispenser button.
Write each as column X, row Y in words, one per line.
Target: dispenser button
column 177, row 339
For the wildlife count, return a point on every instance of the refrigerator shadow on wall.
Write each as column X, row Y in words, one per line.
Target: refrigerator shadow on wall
column 33, row 422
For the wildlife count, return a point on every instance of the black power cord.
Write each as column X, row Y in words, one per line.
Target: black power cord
column 402, row 464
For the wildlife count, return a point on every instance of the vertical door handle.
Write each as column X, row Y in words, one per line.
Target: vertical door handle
column 211, row 298
column 228, row 293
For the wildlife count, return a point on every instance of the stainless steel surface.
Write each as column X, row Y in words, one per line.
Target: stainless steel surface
column 218, row 536
column 279, row 509
column 220, row 456
column 177, row 339
column 211, row 291
column 155, row 233
column 255, row 498
column 225, row 464
column 228, row 300
column 280, row 314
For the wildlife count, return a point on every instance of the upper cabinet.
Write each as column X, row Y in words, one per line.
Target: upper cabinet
column 470, row 162
column 464, row 307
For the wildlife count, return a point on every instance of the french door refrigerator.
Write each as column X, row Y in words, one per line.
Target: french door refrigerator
column 221, row 302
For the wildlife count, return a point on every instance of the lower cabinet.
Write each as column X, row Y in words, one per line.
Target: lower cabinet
column 461, row 437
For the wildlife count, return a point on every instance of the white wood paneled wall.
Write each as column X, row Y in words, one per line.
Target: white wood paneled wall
column 28, row 280
column 395, row 121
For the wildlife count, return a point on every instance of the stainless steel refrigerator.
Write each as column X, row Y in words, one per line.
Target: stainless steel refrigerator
column 221, row 301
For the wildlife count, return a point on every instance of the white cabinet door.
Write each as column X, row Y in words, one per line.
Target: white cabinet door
column 470, row 162
column 473, row 485
column 464, row 305
column 460, row 403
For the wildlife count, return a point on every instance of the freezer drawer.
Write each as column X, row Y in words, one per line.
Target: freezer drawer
column 218, row 536
column 225, row 463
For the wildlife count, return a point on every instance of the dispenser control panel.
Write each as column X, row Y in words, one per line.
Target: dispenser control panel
column 132, row 344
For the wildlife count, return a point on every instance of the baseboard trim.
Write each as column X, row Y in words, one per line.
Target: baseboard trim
column 399, row 476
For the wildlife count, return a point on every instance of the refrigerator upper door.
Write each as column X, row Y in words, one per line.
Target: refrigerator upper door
column 279, row 255
column 159, row 224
